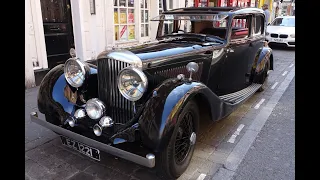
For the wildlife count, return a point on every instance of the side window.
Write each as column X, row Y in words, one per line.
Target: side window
column 258, row 28
column 241, row 27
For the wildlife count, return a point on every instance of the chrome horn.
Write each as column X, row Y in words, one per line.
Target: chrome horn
column 104, row 122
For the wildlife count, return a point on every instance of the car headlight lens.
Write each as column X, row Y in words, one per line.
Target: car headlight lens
column 74, row 72
column 132, row 83
column 292, row 35
column 267, row 34
column 95, row 108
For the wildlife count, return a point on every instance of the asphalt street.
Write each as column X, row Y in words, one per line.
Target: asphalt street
column 272, row 155
column 254, row 142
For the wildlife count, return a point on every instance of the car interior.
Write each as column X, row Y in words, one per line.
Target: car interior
column 207, row 27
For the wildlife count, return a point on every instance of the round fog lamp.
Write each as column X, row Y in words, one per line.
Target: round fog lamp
column 95, row 108
column 80, row 113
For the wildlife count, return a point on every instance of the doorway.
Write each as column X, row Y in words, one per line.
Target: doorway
column 58, row 30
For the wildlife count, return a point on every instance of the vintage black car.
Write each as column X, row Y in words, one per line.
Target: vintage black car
column 204, row 60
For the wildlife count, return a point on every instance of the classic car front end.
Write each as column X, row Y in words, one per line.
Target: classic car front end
column 152, row 94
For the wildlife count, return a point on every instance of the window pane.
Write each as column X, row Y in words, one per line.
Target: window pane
column 116, row 16
column 123, row 16
column 146, row 15
column 131, row 32
column 146, row 3
column 123, row 3
column 123, row 32
column 131, row 16
column 131, row 3
column 116, row 32
column 115, row 2
column 141, row 3
column 142, row 30
column 258, row 24
column 147, row 29
column 142, row 16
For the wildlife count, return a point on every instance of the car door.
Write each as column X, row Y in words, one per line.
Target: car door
column 256, row 40
column 234, row 73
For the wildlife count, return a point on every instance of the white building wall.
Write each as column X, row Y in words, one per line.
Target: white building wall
column 93, row 33
column 35, row 49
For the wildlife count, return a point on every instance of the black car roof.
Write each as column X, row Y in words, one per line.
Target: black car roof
column 214, row 10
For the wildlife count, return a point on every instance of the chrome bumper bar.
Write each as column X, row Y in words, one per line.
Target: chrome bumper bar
column 148, row 161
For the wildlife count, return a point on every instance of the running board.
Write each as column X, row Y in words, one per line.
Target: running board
column 239, row 96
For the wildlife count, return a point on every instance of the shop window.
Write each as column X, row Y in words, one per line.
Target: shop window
column 124, row 22
column 144, row 18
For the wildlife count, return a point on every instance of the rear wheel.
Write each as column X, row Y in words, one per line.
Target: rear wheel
column 174, row 160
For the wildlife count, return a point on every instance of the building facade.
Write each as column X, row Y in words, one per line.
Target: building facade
column 89, row 26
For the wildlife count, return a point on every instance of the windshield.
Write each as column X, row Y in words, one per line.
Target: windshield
column 289, row 22
column 213, row 25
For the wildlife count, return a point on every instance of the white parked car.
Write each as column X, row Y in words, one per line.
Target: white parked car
column 282, row 31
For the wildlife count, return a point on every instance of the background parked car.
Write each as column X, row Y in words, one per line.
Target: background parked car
column 282, row 31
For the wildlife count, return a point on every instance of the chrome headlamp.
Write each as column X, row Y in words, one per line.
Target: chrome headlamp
column 132, row 83
column 75, row 72
column 95, row 108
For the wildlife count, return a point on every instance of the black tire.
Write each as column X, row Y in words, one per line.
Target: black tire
column 169, row 164
column 264, row 77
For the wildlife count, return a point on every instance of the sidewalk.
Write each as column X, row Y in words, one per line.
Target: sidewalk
column 35, row 134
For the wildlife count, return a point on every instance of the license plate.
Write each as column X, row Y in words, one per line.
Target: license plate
column 82, row 148
column 278, row 40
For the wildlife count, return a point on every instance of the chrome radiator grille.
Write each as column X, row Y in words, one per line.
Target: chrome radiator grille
column 118, row 108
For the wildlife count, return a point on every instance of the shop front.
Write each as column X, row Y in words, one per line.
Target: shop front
column 224, row 3
column 91, row 26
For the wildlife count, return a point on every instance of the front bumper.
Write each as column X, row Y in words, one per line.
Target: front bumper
column 148, row 161
column 289, row 42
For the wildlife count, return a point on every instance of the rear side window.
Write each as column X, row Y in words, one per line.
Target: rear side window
column 258, row 27
column 241, row 27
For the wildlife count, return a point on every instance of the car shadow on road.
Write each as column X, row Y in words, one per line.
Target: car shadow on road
column 281, row 47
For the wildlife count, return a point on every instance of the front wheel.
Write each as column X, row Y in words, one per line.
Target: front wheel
column 264, row 77
column 174, row 160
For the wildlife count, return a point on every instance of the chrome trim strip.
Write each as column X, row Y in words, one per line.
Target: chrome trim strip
column 148, row 161
column 126, row 56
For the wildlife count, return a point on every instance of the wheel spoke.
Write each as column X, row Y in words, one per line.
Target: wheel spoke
column 182, row 144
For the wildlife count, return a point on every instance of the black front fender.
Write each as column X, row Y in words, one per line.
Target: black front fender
column 263, row 55
column 51, row 96
column 158, row 120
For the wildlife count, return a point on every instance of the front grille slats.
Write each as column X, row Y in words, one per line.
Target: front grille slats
column 283, row 35
column 274, row 35
column 118, row 108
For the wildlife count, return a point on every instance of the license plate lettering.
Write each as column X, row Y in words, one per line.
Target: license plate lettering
column 82, row 148
column 278, row 40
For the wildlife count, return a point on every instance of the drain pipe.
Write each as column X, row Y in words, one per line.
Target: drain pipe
column 164, row 5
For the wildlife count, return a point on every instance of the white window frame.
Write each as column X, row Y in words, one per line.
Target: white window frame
column 145, row 38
